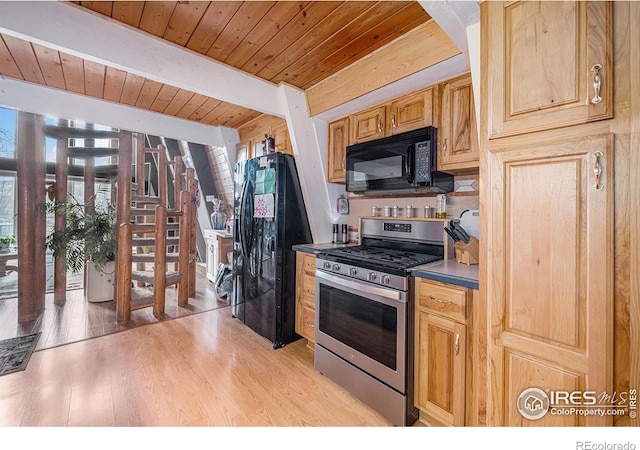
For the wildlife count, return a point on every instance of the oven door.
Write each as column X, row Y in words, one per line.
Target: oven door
column 364, row 324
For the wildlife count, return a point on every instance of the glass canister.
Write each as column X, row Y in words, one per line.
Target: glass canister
column 374, row 211
column 387, row 211
column 394, row 211
column 441, row 206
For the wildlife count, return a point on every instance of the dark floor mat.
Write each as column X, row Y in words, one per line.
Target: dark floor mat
column 16, row 352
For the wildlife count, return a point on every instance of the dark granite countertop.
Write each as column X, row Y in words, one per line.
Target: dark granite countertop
column 317, row 248
column 449, row 271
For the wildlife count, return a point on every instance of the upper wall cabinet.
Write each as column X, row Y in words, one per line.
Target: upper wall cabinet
column 336, row 156
column 553, row 62
column 412, row 111
column 458, row 146
column 368, row 125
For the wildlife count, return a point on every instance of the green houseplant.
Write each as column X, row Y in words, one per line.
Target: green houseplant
column 87, row 235
column 6, row 241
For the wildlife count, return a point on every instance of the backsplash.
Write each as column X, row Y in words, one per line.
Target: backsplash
column 360, row 206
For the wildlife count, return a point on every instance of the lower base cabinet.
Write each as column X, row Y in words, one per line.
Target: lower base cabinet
column 440, row 352
column 306, row 296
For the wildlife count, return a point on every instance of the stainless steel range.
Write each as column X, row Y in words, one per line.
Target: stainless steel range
column 365, row 313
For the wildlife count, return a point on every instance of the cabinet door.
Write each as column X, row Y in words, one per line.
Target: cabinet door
column 458, row 146
column 543, row 57
column 336, row 155
column 550, row 291
column 412, row 112
column 305, row 296
column 368, row 125
column 440, row 368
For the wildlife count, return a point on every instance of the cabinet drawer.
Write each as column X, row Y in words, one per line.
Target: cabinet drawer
column 308, row 323
column 309, row 289
column 447, row 301
column 309, row 263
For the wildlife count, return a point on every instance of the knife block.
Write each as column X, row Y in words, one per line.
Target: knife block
column 467, row 253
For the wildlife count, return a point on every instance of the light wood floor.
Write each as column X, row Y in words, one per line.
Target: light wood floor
column 79, row 319
column 206, row 369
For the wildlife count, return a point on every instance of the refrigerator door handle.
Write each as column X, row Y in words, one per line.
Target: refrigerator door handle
column 241, row 224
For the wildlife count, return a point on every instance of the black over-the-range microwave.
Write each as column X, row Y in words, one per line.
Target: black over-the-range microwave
column 405, row 161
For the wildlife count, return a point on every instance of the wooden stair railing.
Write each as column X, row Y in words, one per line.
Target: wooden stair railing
column 137, row 232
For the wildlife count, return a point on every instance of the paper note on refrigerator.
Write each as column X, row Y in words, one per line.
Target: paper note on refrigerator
column 266, row 181
column 263, row 205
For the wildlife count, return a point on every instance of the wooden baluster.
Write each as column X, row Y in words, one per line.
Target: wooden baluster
column 160, row 261
column 184, row 249
column 123, row 273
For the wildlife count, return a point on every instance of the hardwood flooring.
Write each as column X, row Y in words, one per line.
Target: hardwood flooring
column 205, row 369
column 79, row 319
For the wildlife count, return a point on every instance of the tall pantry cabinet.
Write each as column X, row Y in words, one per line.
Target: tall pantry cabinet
column 547, row 203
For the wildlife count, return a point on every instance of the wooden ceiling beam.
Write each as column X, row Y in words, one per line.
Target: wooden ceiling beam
column 57, row 25
column 419, row 49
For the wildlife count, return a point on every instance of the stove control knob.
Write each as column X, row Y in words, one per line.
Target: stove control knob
column 353, row 271
column 336, row 268
column 326, row 265
column 371, row 276
column 384, row 279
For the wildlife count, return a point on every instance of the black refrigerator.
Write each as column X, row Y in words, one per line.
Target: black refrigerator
column 270, row 217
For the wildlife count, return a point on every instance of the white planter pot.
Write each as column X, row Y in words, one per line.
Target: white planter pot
column 98, row 286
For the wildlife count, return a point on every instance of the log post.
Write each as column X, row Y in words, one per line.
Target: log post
column 123, row 204
column 193, row 220
column 30, row 152
column 62, row 170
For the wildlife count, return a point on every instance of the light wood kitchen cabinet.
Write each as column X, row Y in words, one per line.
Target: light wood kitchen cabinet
column 336, row 156
column 306, row 296
column 368, row 125
column 440, row 352
column 550, row 291
column 458, row 146
column 551, row 64
column 412, row 111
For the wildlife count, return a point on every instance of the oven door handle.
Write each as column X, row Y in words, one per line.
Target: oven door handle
column 385, row 295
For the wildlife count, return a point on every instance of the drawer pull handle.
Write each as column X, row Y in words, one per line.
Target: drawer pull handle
column 310, row 291
column 439, row 300
column 457, row 344
column 597, row 171
column 597, row 82
column 309, row 324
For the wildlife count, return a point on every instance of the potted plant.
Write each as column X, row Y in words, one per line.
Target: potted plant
column 6, row 242
column 89, row 238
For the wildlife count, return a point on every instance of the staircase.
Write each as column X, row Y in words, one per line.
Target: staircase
column 156, row 240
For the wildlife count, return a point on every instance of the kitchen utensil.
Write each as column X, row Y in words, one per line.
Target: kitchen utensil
column 470, row 221
column 458, row 231
column 452, row 234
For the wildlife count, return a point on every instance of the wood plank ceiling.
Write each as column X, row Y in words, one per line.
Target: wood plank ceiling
column 300, row 43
